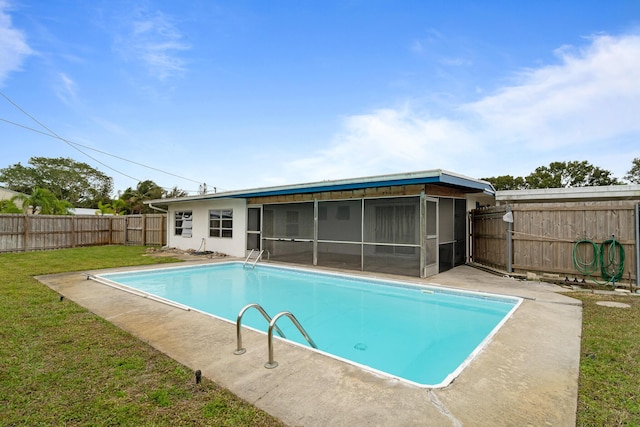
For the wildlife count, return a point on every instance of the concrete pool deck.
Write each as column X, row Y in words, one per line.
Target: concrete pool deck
column 527, row 375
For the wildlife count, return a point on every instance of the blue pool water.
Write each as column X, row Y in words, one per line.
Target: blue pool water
column 424, row 335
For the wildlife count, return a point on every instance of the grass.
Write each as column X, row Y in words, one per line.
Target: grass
column 62, row 365
column 609, row 385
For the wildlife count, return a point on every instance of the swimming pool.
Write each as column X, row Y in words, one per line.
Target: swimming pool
column 421, row 334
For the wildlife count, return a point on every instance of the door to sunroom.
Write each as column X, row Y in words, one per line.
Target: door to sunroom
column 254, row 223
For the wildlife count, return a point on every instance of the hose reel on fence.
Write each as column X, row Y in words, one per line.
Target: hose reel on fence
column 608, row 256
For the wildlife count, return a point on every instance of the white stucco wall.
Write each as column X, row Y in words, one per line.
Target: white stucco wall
column 200, row 239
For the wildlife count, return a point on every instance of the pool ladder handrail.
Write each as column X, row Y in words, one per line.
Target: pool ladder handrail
column 240, row 349
column 272, row 324
column 256, row 259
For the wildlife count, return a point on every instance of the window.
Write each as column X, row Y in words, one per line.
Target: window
column 183, row 223
column 221, row 223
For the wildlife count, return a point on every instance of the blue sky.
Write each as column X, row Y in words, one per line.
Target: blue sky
column 244, row 94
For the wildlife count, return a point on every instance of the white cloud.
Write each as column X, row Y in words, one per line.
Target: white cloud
column 157, row 42
column 388, row 140
column 584, row 107
column 592, row 95
column 13, row 44
column 67, row 89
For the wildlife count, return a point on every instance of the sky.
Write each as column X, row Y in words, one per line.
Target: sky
column 239, row 94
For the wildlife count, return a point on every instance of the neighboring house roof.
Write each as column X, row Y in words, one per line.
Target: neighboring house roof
column 84, row 211
column 6, row 194
column 437, row 176
column 606, row 192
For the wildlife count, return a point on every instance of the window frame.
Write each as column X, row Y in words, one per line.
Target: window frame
column 179, row 218
column 221, row 227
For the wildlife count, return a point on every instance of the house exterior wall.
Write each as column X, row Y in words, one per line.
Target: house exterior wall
column 200, row 239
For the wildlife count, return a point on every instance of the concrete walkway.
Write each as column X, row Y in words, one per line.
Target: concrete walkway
column 527, row 376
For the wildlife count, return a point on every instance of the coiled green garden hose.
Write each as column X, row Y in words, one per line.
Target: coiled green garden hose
column 585, row 267
column 609, row 256
column 611, row 268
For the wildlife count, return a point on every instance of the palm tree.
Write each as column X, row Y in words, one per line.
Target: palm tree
column 119, row 206
column 9, row 206
column 175, row 192
column 145, row 190
column 44, row 202
column 105, row 208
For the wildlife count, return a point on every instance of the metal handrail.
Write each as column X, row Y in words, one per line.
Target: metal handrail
column 249, row 256
column 240, row 349
column 272, row 324
column 257, row 259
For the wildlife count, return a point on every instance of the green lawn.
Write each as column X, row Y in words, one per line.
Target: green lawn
column 62, row 365
column 609, row 387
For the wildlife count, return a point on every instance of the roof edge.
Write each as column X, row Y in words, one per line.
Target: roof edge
column 429, row 176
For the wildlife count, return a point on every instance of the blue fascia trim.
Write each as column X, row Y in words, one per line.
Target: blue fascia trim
column 442, row 179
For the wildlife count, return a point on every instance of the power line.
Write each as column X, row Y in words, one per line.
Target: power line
column 75, row 145
column 96, row 150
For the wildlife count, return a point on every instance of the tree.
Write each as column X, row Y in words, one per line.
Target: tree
column 76, row 182
column 507, row 182
column 119, row 206
column 44, row 202
column 633, row 175
column 9, row 207
column 570, row 174
column 104, row 209
column 145, row 190
column 175, row 193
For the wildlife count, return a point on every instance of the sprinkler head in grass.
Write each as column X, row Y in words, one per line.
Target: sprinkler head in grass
column 198, row 376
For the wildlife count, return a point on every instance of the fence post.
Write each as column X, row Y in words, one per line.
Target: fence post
column 508, row 218
column 74, row 223
column 144, row 230
column 25, row 232
column 637, row 238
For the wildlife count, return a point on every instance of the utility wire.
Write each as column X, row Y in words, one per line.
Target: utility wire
column 75, row 145
column 98, row 151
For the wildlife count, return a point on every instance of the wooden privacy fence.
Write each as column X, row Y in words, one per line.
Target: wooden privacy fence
column 38, row 232
column 543, row 235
